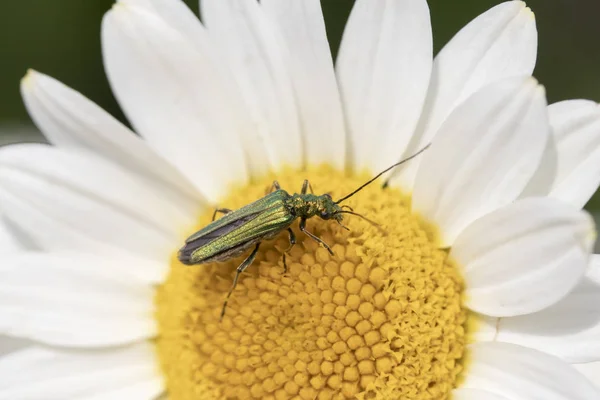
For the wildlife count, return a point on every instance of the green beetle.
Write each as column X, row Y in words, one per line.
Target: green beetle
column 239, row 230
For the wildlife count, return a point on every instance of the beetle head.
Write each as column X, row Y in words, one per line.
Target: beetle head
column 328, row 209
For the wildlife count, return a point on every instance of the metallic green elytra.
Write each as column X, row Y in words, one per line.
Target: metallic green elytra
column 239, row 230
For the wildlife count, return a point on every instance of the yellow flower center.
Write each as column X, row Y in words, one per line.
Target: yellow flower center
column 381, row 319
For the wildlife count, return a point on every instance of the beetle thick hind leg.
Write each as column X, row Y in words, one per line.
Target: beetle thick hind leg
column 220, row 210
column 314, row 237
column 292, row 243
column 238, row 272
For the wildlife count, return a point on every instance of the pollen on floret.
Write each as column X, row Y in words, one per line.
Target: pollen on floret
column 382, row 318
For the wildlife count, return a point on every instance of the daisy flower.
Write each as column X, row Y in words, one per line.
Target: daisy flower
column 480, row 285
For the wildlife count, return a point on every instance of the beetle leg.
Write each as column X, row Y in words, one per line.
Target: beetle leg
column 238, row 272
column 313, row 237
column 292, row 243
column 274, row 186
column 343, row 226
column 306, row 185
column 220, row 210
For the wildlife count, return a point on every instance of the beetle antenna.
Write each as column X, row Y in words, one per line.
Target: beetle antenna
column 375, row 224
column 381, row 173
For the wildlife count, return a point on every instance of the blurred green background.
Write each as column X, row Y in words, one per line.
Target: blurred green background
column 62, row 38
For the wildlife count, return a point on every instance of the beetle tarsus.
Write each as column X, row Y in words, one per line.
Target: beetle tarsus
column 313, row 237
column 292, row 243
column 238, row 272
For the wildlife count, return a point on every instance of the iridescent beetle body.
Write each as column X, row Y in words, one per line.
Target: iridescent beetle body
column 239, row 230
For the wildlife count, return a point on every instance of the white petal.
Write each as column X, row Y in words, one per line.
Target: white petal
column 484, row 155
column 77, row 300
column 311, row 68
column 474, row 394
column 259, row 60
column 148, row 389
column 70, row 201
column 13, row 238
column 69, row 120
column 520, row 373
column 544, row 177
column 175, row 96
column 179, row 17
column 593, row 271
column 9, row 344
column 570, row 329
column 176, row 14
column 591, row 371
column 524, row 257
column 384, row 67
column 40, row 373
column 500, row 43
column 9, row 243
column 576, row 126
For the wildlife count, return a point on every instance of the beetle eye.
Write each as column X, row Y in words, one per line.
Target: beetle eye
column 324, row 214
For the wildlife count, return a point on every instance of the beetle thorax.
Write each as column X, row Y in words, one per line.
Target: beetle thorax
column 310, row 205
column 305, row 205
